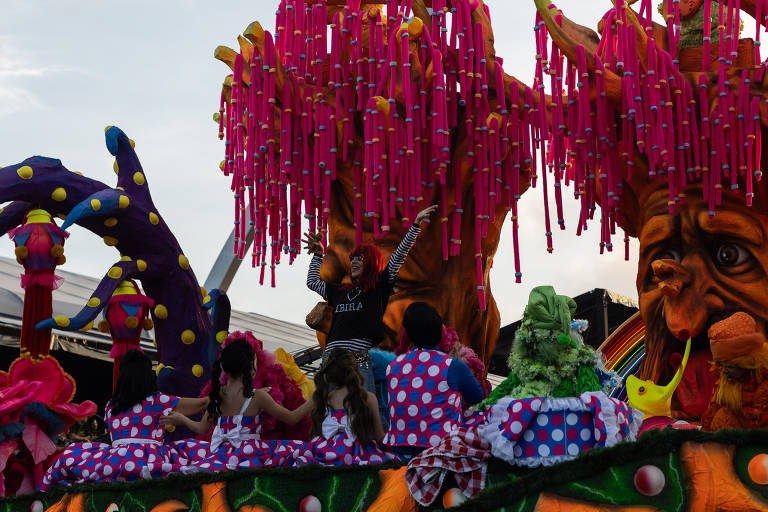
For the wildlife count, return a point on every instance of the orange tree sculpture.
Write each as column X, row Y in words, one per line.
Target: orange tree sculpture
column 357, row 116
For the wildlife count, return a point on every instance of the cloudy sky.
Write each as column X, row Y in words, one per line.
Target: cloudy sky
column 68, row 68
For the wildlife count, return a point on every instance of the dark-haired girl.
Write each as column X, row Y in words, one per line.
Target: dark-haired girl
column 345, row 417
column 235, row 408
column 358, row 308
column 132, row 416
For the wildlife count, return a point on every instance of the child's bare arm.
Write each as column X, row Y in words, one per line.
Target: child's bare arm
column 262, row 400
column 178, row 419
column 373, row 405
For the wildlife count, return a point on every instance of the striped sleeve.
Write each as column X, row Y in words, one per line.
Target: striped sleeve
column 314, row 282
column 398, row 257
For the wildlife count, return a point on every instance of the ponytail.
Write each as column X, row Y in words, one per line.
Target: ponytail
column 214, row 403
column 236, row 360
column 356, row 402
column 320, row 399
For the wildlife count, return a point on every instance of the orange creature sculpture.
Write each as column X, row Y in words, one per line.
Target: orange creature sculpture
column 688, row 172
column 740, row 352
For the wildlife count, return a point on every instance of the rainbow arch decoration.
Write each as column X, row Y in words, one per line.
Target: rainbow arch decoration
column 624, row 350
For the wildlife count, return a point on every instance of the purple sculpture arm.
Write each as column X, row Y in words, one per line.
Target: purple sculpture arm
column 13, row 215
column 126, row 218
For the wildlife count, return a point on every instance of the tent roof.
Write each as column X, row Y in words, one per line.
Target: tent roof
column 77, row 289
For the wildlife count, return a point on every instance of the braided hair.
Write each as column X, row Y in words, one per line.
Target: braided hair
column 340, row 370
column 236, row 360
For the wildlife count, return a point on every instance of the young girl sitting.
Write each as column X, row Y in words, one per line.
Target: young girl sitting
column 235, row 408
column 137, row 448
column 345, row 417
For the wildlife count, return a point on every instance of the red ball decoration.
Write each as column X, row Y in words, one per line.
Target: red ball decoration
column 310, row 504
column 649, row 480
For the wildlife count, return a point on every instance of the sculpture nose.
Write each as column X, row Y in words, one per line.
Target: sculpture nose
column 688, row 302
column 670, row 276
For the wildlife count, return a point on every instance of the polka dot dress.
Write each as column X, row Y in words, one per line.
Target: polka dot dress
column 241, row 447
column 137, row 449
column 338, row 447
column 422, row 407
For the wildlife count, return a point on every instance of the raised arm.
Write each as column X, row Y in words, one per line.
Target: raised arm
column 314, row 282
column 398, row 257
column 262, row 400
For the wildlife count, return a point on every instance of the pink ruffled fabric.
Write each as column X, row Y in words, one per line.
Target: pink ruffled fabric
column 50, row 280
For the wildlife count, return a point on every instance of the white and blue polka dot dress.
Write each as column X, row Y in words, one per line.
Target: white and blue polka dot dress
column 137, row 449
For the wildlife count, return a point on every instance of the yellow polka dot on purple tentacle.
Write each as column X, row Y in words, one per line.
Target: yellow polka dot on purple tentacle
column 187, row 337
column 59, row 194
column 25, row 172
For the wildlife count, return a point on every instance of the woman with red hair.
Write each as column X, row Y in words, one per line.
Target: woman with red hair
column 358, row 307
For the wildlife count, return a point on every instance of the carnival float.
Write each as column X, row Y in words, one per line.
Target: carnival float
column 347, row 121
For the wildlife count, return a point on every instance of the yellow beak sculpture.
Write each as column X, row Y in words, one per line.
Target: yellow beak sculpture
column 652, row 399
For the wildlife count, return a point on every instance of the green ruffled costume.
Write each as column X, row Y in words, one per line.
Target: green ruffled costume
column 545, row 359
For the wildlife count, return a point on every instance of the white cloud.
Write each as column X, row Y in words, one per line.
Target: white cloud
column 19, row 69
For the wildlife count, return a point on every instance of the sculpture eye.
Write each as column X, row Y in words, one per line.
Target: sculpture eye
column 668, row 254
column 731, row 255
column 641, row 390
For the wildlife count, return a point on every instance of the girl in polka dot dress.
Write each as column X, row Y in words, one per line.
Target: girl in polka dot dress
column 235, row 407
column 345, row 417
column 132, row 415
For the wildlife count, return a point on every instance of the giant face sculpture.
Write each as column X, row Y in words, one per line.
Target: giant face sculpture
column 688, row 116
column 694, row 270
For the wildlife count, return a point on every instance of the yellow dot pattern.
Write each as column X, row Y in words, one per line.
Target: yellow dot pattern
column 141, row 265
column 187, row 337
column 197, row 370
column 61, row 320
column 138, row 178
column 59, row 194
column 153, row 218
column 95, row 204
column 221, row 336
column 125, row 258
column 161, row 312
column 94, row 302
column 183, row 262
column 123, row 202
column 110, row 241
column 110, row 222
column 116, row 167
column 25, row 172
column 115, row 273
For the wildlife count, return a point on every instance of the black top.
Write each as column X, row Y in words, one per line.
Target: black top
column 357, row 315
